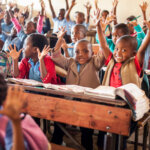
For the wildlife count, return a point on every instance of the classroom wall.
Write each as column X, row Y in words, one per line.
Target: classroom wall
column 125, row 7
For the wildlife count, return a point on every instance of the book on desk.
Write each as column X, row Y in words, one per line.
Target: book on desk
column 134, row 96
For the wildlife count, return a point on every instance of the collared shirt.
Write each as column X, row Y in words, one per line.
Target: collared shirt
column 115, row 78
column 34, row 72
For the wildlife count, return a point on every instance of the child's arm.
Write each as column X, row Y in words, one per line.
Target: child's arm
column 101, row 37
column 15, row 56
column 143, row 9
column 67, row 16
column 142, row 49
column 88, row 8
column 67, row 5
column 52, row 9
column 15, row 22
column 96, row 4
column 12, row 109
column 41, row 18
column 114, row 10
column 65, row 48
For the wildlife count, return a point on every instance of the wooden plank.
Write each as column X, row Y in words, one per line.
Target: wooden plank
column 89, row 115
column 58, row 147
column 81, row 96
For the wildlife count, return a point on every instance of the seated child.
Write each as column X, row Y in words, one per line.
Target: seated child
column 16, row 132
column 6, row 25
column 124, row 60
column 78, row 32
column 82, row 70
column 36, row 65
column 79, row 16
column 11, row 40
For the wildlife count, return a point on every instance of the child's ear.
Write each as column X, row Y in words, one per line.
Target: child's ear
column 35, row 50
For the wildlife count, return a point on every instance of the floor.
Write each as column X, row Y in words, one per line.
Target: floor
column 76, row 134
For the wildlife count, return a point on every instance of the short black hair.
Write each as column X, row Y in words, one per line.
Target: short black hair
column 105, row 11
column 130, row 18
column 3, row 89
column 129, row 40
column 123, row 28
column 15, row 9
column 38, row 40
column 81, row 28
column 84, row 41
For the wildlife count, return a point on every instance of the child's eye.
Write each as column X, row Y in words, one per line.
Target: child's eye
column 85, row 51
column 123, row 50
column 77, row 52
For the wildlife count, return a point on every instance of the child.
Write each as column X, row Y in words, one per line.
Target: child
column 6, row 25
column 122, row 62
column 78, row 32
column 82, row 70
column 36, row 65
column 17, row 133
column 79, row 16
column 11, row 40
column 30, row 26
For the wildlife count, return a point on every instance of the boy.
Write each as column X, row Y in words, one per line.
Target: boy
column 79, row 16
column 78, row 32
column 122, row 62
column 82, row 70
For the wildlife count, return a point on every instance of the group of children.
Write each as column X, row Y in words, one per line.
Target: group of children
column 122, row 51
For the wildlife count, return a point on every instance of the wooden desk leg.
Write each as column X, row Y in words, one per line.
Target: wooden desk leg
column 136, row 138
column 145, row 135
column 119, row 142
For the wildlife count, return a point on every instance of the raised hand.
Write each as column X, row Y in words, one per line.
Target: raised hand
column 64, row 45
column 88, row 6
column 144, row 6
column 62, row 32
column 96, row 4
column 14, row 103
column 42, row 4
column 115, row 3
column 73, row 3
column 96, row 17
column 44, row 52
column 13, row 52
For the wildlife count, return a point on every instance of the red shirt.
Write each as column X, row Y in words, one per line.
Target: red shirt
column 115, row 78
column 51, row 77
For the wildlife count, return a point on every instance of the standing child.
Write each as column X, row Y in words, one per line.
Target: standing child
column 82, row 70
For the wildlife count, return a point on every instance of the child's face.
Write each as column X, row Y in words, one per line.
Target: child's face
column 116, row 34
column 104, row 15
column 131, row 27
column 61, row 14
column 13, row 31
column 30, row 28
column 29, row 50
column 77, row 34
column 79, row 18
column 122, row 52
column 83, row 53
column 7, row 19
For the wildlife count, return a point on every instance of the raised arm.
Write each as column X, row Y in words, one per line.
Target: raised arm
column 88, row 9
column 101, row 37
column 67, row 16
column 142, row 49
column 12, row 108
column 114, row 10
column 143, row 9
column 96, row 4
column 67, row 5
column 52, row 9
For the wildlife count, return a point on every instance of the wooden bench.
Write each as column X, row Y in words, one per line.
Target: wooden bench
column 59, row 147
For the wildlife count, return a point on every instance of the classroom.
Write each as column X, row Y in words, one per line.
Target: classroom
column 74, row 75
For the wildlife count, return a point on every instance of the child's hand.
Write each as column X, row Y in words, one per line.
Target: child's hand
column 42, row 4
column 13, row 52
column 144, row 6
column 96, row 17
column 44, row 52
column 88, row 6
column 61, row 32
column 14, row 103
column 73, row 3
column 115, row 3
